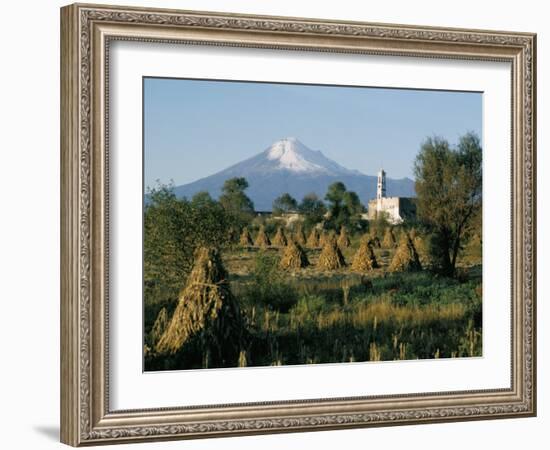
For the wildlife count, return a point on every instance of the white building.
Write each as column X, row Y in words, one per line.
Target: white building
column 396, row 209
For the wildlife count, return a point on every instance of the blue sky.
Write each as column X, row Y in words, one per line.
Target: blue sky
column 195, row 128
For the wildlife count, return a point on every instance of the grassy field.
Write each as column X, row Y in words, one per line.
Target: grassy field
column 312, row 316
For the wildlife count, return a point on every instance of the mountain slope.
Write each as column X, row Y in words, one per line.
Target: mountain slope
column 289, row 166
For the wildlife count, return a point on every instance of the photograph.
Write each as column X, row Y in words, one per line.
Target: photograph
column 294, row 224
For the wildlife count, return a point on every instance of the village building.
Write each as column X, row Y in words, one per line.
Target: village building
column 288, row 217
column 396, row 209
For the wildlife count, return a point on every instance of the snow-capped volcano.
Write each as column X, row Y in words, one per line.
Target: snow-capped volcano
column 289, row 166
column 290, row 154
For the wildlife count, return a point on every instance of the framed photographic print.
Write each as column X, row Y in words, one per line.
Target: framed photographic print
column 279, row 224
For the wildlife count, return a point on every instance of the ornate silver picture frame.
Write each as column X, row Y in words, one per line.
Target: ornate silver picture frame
column 87, row 33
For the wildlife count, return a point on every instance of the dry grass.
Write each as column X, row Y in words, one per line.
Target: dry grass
column 385, row 312
column 280, row 239
column 323, row 237
column 421, row 245
column 364, row 259
column 205, row 307
column 313, row 239
column 294, row 257
column 262, row 240
column 331, row 257
column 245, row 239
column 159, row 326
column 406, row 257
column 373, row 239
column 343, row 238
column 299, row 236
column 392, row 331
column 389, row 239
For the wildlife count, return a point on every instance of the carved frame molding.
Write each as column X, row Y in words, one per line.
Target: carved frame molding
column 86, row 31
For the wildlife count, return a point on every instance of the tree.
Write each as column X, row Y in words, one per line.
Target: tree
column 335, row 194
column 313, row 209
column 353, row 209
column 352, row 203
column 344, row 207
column 449, row 190
column 202, row 199
column 284, row 204
column 164, row 258
column 173, row 229
column 235, row 202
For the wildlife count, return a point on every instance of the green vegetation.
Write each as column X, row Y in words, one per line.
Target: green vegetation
column 320, row 317
column 448, row 185
column 344, row 208
column 313, row 210
column 224, row 287
column 284, row 204
column 309, row 315
column 173, row 230
column 414, row 318
column 235, row 202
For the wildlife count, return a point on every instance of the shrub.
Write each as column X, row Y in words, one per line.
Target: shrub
column 267, row 287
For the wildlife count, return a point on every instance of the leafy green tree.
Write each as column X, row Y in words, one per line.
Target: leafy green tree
column 335, row 199
column 235, row 202
column 335, row 194
column 449, row 189
column 352, row 204
column 283, row 204
column 164, row 258
column 313, row 209
column 344, row 208
column 202, row 199
column 173, row 229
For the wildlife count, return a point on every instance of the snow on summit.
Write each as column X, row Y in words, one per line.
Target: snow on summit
column 289, row 166
column 290, row 154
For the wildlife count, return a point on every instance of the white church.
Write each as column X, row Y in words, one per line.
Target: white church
column 396, row 209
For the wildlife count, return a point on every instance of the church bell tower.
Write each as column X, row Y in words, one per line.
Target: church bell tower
column 381, row 186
